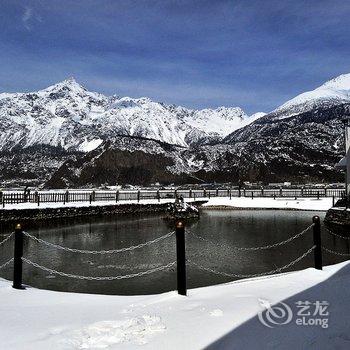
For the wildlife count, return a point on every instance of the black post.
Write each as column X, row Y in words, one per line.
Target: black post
column 138, row 195
column 181, row 258
column 230, row 193
column 117, row 196
column 318, row 194
column 17, row 258
column 333, row 201
column 158, row 196
column 317, row 242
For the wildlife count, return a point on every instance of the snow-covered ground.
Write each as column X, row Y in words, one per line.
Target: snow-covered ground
column 222, row 316
column 85, row 204
column 322, row 204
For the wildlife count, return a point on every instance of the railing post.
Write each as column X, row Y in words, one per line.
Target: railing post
column 158, row 196
column 230, row 193
column 317, row 242
column 17, row 258
column 333, row 201
column 181, row 258
column 138, row 195
column 117, row 196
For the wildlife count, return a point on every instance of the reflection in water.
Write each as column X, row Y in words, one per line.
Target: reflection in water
column 243, row 228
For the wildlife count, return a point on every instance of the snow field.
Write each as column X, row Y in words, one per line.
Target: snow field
column 41, row 320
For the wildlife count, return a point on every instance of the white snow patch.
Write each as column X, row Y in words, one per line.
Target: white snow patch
column 105, row 334
column 88, row 146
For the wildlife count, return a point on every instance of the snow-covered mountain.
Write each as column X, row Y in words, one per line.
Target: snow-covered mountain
column 334, row 92
column 80, row 138
column 69, row 116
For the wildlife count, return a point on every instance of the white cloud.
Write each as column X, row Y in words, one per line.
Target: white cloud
column 26, row 17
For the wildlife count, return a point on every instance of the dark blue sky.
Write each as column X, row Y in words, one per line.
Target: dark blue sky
column 252, row 54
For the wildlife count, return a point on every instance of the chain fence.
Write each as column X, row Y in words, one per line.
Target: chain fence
column 6, row 263
column 95, row 252
column 254, row 248
column 277, row 270
column 334, row 252
column 6, row 239
column 335, row 234
column 99, row 278
column 236, row 275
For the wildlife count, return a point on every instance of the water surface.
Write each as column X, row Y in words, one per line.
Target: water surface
column 225, row 228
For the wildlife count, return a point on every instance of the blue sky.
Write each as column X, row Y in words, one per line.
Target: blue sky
column 252, row 54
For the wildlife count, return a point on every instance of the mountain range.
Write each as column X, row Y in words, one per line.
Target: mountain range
column 66, row 135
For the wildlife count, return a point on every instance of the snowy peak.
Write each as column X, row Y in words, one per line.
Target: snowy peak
column 69, row 84
column 331, row 93
column 342, row 82
column 68, row 115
